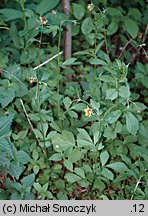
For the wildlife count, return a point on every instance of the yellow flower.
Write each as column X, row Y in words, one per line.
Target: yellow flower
column 88, row 111
column 90, row 6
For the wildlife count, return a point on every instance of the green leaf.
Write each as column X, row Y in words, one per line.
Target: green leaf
column 14, row 34
column 104, row 156
column 35, row 155
column 99, row 184
column 11, row 14
column 16, row 169
column 83, row 138
column 106, row 78
column 6, row 96
column 37, row 186
column 63, row 141
column 87, row 25
column 109, row 133
column 28, row 180
column 124, row 92
column 118, row 167
column 46, row 5
column 75, row 155
column 131, row 27
column 112, row 28
column 132, row 123
column 23, row 157
column 78, row 10
column 112, row 117
column 80, row 172
column 111, row 94
column 6, row 146
column 5, row 123
column 67, row 102
column 71, row 177
column 56, row 157
column 68, row 164
column 70, row 61
column 96, row 61
column 95, row 105
column 107, row 173
column 36, row 169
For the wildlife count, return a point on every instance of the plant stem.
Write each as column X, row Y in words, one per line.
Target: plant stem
column 28, row 119
column 137, row 184
column 58, row 77
column 38, row 96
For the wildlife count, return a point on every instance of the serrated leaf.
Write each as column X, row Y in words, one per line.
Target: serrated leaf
column 16, row 169
column 6, row 96
column 28, row 181
column 6, row 146
column 5, row 123
column 23, row 157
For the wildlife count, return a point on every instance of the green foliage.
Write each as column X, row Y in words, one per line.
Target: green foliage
column 75, row 128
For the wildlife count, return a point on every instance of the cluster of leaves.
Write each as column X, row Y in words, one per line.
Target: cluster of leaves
column 83, row 137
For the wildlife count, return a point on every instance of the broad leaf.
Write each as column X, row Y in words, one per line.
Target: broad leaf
column 104, row 156
column 46, row 6
column 118, row 167
column 131, row 27
column 63, row 141
column 132, row 123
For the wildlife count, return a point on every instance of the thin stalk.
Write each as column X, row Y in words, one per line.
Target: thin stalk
column 137, row 184
column 58, row 78
column 125, row 48
column 117, row 99
column 38, row 96
column 28, row 119
column 106, row 43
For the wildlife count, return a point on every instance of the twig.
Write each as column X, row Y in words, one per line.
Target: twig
column 29, row 120
column 48, row 60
